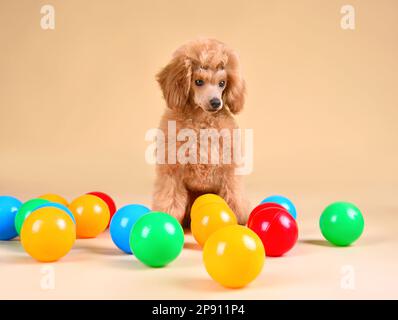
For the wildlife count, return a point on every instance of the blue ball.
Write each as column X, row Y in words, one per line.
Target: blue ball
column 9, row 207
column 122, row 223
column 59, row 206
column 284, row 202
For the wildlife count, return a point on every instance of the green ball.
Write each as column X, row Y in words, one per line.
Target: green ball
column 25, row 210
column 341, row 223
column 156, row 239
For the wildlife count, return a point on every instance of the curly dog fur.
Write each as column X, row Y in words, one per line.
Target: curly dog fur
column 198, row 71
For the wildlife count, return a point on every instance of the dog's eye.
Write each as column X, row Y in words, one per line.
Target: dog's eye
column 221, row 84
column 199, row 82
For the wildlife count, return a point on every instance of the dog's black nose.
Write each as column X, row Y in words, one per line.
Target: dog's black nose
column 215, row 103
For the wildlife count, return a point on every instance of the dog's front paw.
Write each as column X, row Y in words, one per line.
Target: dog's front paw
column 242, row 211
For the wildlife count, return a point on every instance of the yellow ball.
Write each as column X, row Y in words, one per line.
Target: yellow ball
column 48, row 234
column 210, row 218
column 54, row 198
column 92, row 215
column 205, row 199
column 234, row 256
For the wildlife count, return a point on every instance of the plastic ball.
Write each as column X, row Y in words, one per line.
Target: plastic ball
column 122, row 224
column 205, row 199
column 9, row 207
column 109, row 201
column 234, row 256
column 284, row 202
column 262, row 207
column 59, row 206
column 277, row 230
column 210, row 218
column 48, row 234
column 54, row 198
column 91, row 214
column 25, row 210
column 156, row 239
column 341, row 223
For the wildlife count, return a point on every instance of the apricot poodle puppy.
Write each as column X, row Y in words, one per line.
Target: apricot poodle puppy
column 203, row 89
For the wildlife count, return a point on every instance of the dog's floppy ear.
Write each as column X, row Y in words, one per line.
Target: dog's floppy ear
column 234, row 93
column 175, row 82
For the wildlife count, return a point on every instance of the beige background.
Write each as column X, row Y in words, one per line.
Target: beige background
column 75, row 103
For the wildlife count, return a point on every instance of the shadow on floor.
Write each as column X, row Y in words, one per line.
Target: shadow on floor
column 130, row 263
column 80, row 246
column 12, row 245
column 364, row 241
column 317, row 242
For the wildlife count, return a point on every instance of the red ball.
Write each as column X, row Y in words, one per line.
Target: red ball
column 276, row 228
column 108, row 200
column 263, row 206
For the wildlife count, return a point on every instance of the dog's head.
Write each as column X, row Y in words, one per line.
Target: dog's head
column 205, row 74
